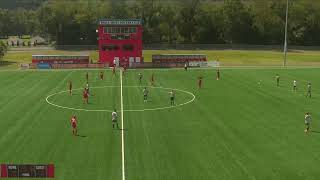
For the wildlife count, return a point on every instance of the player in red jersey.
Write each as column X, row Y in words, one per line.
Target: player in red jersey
column 85, row 96
column 74, row 125
column 101, row 75
column 152, row 79
column 218, row 74
column 200, row 82
column 70, row 87
column 87, row 77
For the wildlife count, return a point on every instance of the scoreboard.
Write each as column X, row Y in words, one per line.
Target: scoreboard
column 27, row 171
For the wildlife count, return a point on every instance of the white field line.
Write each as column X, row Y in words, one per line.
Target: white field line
column 122, row 129
column 125, row 110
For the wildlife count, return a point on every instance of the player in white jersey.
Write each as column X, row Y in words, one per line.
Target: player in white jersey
column 309, row 90
column 87, row 89
column 307, row 122
column 294, row 85
column 172, row 98
column 114, row 116
column 278, row 79
column 145, row 94
column 140, row 78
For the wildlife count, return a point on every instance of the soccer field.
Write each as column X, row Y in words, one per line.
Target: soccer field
column 240, row 127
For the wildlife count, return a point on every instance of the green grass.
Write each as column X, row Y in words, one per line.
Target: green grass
column 226, row 57
column 235, row 129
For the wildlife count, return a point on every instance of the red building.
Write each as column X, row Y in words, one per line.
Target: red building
column 120, row 41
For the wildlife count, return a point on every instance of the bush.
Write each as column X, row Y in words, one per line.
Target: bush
column 3, row 49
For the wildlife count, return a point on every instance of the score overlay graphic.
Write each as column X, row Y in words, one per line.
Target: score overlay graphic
column 27, row 171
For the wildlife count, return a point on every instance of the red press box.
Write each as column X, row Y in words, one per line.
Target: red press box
column 120, row 41
column 27, row 171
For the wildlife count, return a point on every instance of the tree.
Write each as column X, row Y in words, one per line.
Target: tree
column 4, row 22
column 149, row 12
column 187, row 20
column 237, row 22
column 168, row 24
column 182, row 21
column 3, row 49
column 311, row 33
column 209, row 27
column 269, row 24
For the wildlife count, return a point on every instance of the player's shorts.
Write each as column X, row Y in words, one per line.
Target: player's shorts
column 114, row 120
column 145, row 96
column 172, row 98
column 307, row 123
column 74, row 125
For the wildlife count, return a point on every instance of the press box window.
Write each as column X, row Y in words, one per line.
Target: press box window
column 120, row 37
column 128, row 47
column 109, row 47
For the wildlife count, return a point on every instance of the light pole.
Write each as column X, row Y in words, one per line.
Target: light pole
column 286, row 37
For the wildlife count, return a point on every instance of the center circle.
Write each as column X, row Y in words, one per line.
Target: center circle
column 190, row 99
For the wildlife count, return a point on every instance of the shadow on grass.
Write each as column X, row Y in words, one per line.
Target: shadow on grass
column 315, row 131
column 81, row 136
